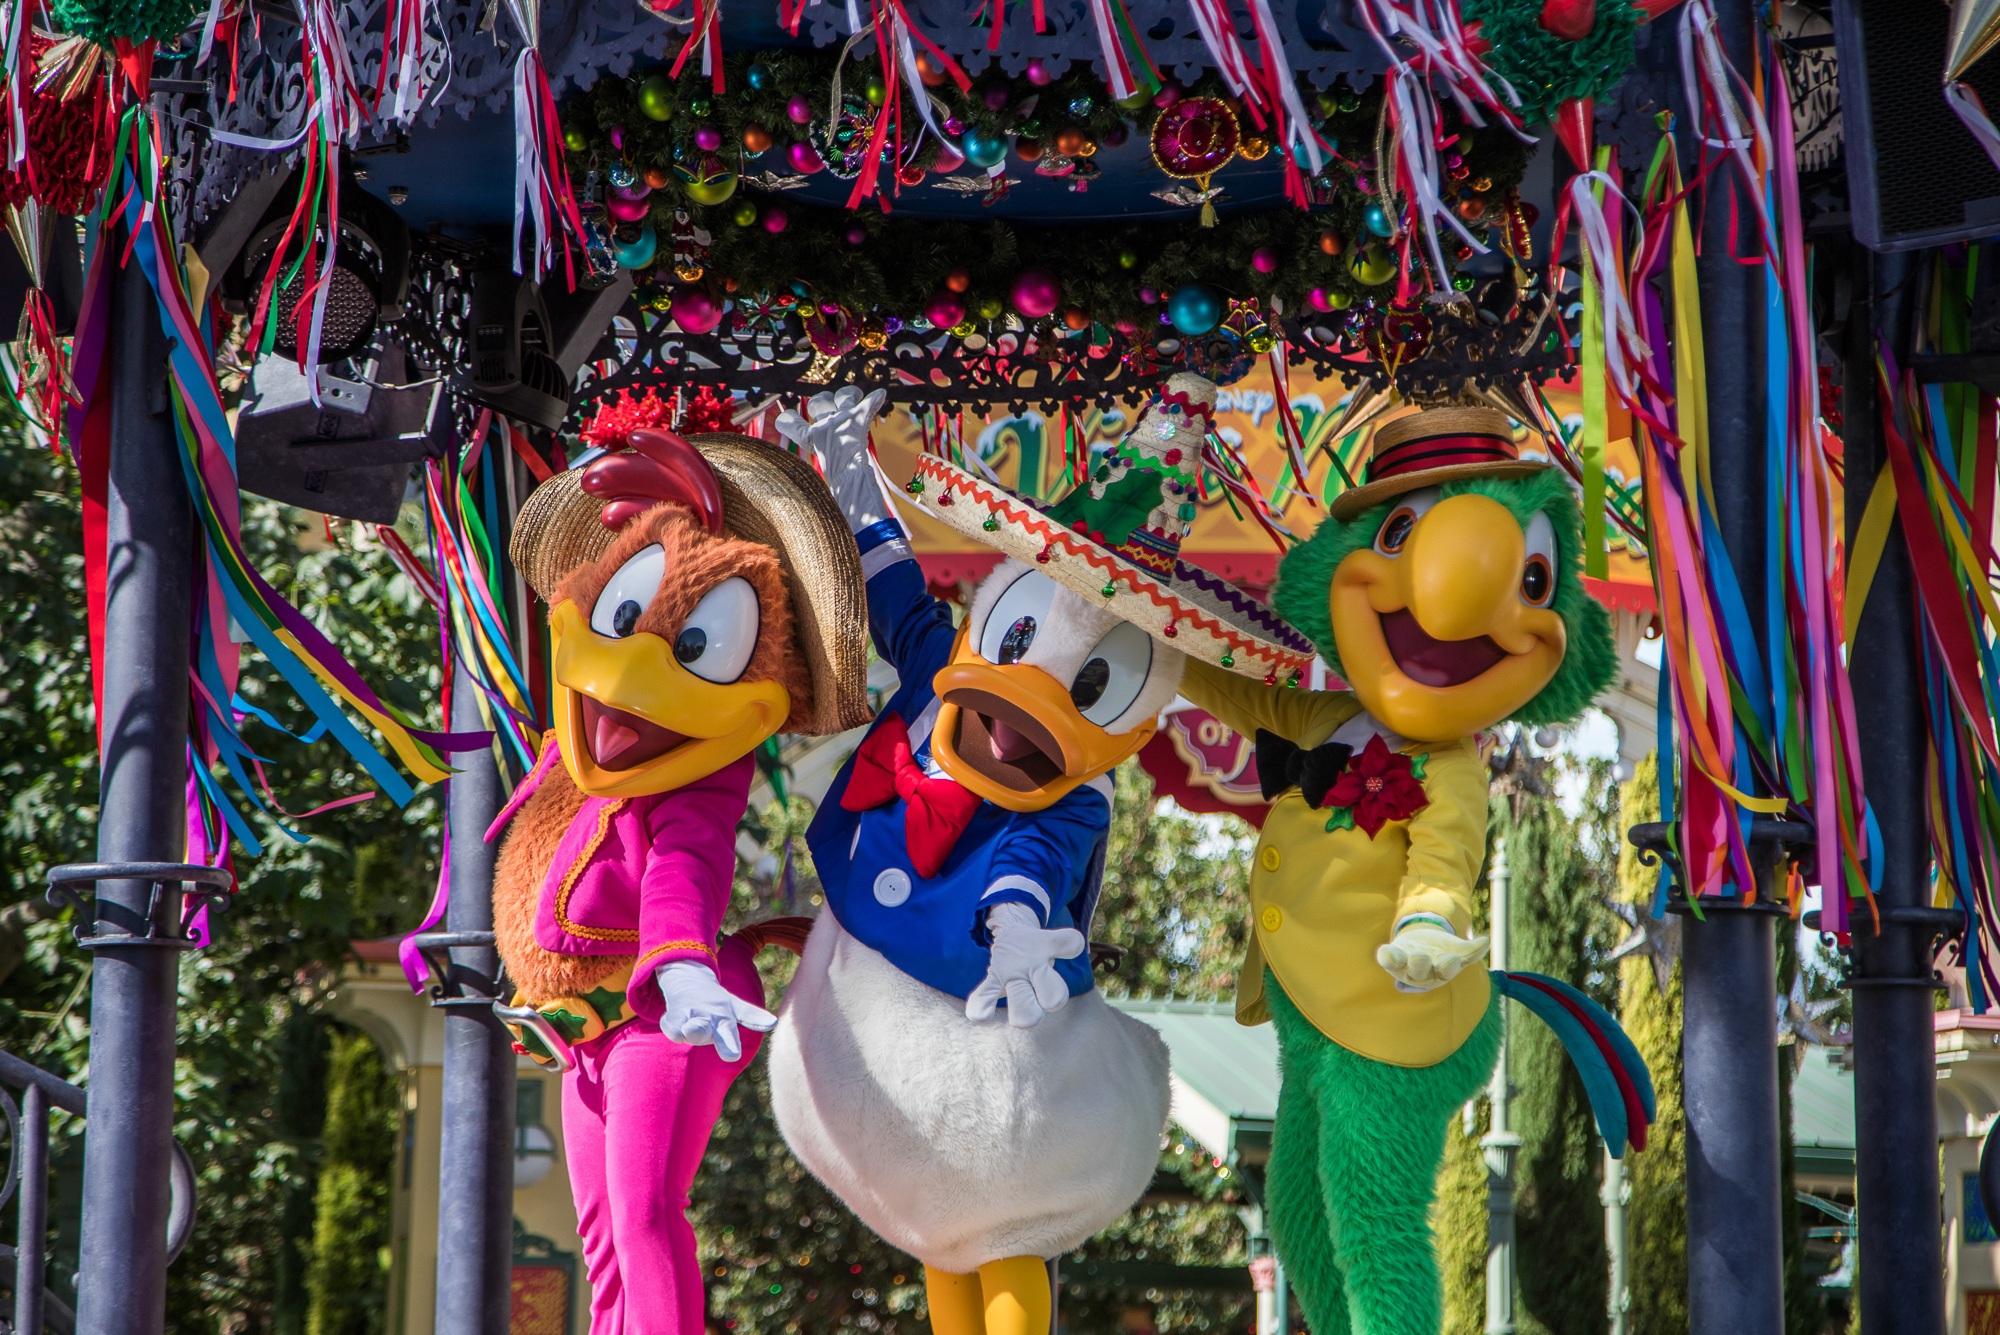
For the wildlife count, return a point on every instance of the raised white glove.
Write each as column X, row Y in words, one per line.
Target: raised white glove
column 1022, row 967
column 1425, row 956
column 700, row 1010
column 835, row 427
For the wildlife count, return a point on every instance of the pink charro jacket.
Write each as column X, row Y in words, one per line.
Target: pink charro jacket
column 646, row 878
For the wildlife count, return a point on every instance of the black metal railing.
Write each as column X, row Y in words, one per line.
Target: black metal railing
column 24, row 1266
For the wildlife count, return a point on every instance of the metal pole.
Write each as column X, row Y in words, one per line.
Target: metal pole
column 1895, row 1120
column 1500, row 1142
column 1617, row 1191
column 128, row 1131
column 1729, row 1043
column 1281, row 1297
column 31, row 1247
column 476, row 1157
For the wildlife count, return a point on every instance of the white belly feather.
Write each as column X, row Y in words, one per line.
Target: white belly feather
column 962, row 1143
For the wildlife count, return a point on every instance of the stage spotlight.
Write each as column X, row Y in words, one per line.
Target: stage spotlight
column 511, row 363
column 371, row 268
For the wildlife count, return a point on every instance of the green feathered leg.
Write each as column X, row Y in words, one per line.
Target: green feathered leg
column 1353, row 1171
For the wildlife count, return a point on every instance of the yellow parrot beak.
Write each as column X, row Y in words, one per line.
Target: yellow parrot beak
column 633, row 722
column 1012, row 735
column 1438, row 641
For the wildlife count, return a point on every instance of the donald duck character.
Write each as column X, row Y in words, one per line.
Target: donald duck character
column 943, row 1062
column 703, row 595
column 1448, row 591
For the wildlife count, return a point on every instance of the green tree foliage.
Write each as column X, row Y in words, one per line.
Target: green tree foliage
column 1459, row 1222
column 782, row 1254
column 248, row 1018
column 1656, row 1218
column 348, row 1283
column 1561, row 875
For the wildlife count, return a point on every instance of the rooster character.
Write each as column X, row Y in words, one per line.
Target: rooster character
column 703, row 596
column 943, row 1062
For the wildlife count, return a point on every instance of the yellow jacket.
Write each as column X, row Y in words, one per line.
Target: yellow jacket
column 1321, row 903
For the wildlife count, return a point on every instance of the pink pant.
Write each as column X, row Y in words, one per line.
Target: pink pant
column 637, row 1112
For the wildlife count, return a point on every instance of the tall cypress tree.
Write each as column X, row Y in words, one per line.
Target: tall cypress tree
column 1560, row 878
column 1650, row 1010
column 349, row 1280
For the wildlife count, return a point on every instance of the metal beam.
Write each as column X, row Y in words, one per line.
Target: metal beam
column 476, row 1158
column 1729, row 1043
column 149, row 573
column 1901, row 1279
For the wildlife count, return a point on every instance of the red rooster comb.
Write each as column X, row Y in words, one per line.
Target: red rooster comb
column 663, row 468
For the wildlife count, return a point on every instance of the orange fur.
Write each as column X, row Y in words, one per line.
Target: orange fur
column 697, row 561
column 532, row 839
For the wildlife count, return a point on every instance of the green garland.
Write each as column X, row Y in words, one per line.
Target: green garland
column 105, row 22
column 898, row 262
column 1546, row 70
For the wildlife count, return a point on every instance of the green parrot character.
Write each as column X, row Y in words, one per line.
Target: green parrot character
column 1447, row 590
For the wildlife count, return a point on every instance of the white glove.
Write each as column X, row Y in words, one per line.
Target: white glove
column 1022, row 967
column 836, row 428
column 1425, row 956
column 700, row 1010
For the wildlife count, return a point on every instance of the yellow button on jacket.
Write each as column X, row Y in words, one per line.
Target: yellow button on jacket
column 1322, row 904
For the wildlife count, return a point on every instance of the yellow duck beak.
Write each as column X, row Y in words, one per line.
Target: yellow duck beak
column 1438, row 640
column 633, row 722
column 1012, row 735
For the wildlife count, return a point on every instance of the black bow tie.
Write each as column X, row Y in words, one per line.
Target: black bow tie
column 1282, row 765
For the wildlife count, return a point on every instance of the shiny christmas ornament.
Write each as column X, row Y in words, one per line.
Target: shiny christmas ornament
column 1409, row 331
column 1116, row 136
column 1128, row 259
column 745, row 214
column 983, row 148
column 625, row 209
column 929, row 70
column 944, row 309
column 574, row 140
column 1254, row 148
column 1038, row 74
column 759, row 76
column 775, row 220
column 1075, row 319
column 707, row 138
column 958, row 280
column 1194, row 309
column 639, row 252
column 997, row 96
column 1137, row 100
column 876, row 90
column 1028, row 150
column 1169, row 94
column 658, row 176
column 695, row 311
column 1483, row 184
column 990, row 308
column 1264, row 259
column 620, row 175
column 872, row 335
column 1069, row 143
column 804, row 161
column 1320, row 299
column 857, row 235
column 756, row 139
column 636, row 190
column 700, row 106
column 706, row 180
column 1372, row 267
column 1194, row 138
column 1081, row 107
column 799, row 109
column 1088, row 148
column 910, row 174
column 656, row 97
column 1330, row 243
column 1259, row 340
column 1035, row 293
column 954, row 126
column 1377, row 220
column 1148, row 297
column 949, row 159
column 1472, row 208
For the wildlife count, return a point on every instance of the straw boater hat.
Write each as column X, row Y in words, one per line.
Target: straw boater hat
column 769, row 496
column 1117, row 539
column 1433, row 446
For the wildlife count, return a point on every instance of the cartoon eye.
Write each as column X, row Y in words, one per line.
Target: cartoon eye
column 1113, row 674
column 628, row 593
column 1021, row 609
column 1538, row 572
column 1395, row 530
column 716, row 641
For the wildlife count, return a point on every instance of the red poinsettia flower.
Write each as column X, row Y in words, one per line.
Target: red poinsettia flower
column 1378, row 786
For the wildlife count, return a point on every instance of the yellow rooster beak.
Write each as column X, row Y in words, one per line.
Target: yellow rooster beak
column 633, row 722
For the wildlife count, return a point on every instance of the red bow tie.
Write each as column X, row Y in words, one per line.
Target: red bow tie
column 938, row 809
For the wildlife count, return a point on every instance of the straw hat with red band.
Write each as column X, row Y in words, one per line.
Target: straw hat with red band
column 1117, row 538
column 1433, row 446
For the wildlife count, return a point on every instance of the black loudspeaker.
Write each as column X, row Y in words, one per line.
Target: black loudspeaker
column 510, row 356
column 1915, row 175
column 350, row 455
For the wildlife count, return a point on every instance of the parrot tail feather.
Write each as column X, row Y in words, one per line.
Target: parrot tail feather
column 785, row 933
column 1614, row 1074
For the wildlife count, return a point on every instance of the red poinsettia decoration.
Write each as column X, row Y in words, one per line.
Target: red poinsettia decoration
column 1378, row 786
